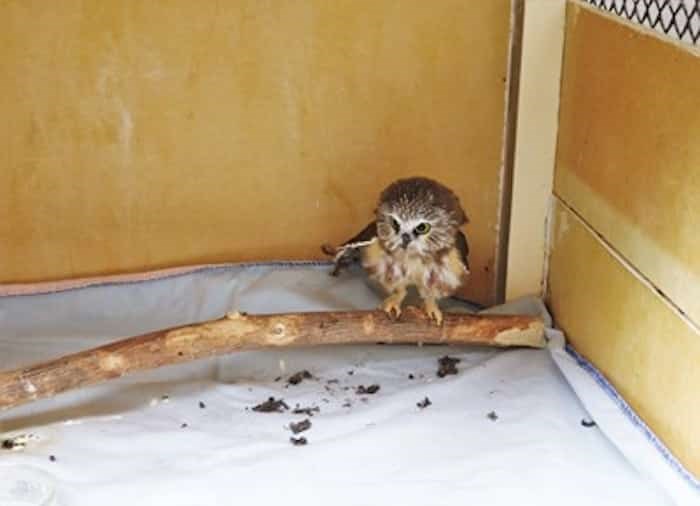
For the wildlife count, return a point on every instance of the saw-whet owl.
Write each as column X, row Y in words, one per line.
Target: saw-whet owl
column 414, row 240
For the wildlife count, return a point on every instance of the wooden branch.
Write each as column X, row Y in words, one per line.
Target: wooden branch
column 237, row 332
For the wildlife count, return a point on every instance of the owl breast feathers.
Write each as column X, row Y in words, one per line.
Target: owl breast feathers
column 414, row 240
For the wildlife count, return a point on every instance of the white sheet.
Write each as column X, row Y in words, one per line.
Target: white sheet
column 121, row 443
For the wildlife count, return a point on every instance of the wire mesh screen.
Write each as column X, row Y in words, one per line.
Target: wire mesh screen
column 679, row 19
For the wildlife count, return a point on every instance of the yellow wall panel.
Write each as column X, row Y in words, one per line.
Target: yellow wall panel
column 629, row 332
column 138, row 135
column 629, row 147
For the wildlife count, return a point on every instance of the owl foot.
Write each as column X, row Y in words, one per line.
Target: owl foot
column 392, row 305
column 433, row 312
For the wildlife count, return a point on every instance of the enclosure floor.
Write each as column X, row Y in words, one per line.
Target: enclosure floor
column 505, row 430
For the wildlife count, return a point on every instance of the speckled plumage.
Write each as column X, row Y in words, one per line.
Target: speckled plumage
column 415, row 240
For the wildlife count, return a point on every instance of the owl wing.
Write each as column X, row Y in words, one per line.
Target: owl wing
column 367, row 234
column 463, row 247
column 347, row 254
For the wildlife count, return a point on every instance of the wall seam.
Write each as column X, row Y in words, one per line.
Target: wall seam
column 629, row 266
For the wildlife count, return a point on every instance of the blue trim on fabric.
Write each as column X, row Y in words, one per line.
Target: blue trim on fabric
column 197, row 270
column 627, row 410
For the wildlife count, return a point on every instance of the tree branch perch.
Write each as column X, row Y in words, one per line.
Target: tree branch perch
column 237, row 332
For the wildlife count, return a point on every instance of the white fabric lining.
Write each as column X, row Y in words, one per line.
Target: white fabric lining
column 122, row 441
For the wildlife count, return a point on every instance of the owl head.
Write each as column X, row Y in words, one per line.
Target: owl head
column 419, row 216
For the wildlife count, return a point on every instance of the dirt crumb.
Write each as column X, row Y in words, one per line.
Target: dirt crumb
column 202, row 405
column 492, row 416
column 298, row 377
column 271, row 405
column 447, row 365
column 424, row 403
column 372, row 389
column 308, row 411
column 18, row 442
column 297, row 427
column 588, row 423
column 52, row 458
column 298, row 441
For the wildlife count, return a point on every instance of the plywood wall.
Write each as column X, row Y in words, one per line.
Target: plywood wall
column 629, row 332
column 139, row 135
column 629, row 150
column 624, row 278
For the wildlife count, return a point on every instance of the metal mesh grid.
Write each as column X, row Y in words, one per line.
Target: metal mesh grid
column 679, row 19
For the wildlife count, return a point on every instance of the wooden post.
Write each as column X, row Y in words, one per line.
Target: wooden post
column 239, row 332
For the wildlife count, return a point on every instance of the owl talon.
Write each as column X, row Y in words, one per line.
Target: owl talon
column 433, row 312
column 392, row 305
column 392, row 309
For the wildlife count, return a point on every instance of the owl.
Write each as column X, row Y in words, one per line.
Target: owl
column 414, row 240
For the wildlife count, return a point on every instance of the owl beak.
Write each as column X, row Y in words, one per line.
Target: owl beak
column 405, row 240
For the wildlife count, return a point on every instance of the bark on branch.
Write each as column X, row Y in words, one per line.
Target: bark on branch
column 237, row 332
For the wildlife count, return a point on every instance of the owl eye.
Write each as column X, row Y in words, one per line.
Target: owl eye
column 395, row 225
column 422, row 228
